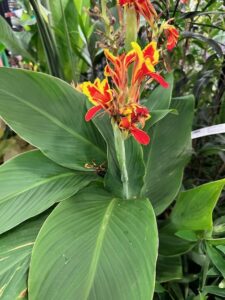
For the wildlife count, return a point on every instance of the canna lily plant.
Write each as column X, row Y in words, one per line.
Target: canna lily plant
column 78, row 213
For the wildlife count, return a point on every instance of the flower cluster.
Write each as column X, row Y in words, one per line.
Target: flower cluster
column 119, row 93
column 122, row 101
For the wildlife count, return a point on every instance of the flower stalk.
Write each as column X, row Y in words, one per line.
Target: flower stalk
column 131, row 27
column 121, row 157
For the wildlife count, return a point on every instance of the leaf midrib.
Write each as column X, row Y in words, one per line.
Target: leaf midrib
column 98, row 247
column 54, row 120
column 41, row 182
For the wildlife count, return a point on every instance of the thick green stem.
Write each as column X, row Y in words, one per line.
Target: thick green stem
column 121, row 157
column 131, row 27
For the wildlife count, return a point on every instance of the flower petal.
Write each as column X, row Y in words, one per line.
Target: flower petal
column 151, row 52
column 112, row 58
column 92, row 112
column 129, row 58
column 159, row 79
column 140, row 136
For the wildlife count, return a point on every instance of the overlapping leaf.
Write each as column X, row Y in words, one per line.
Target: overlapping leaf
column 37, row 103
column 168, row 153
column 15, row 252
column 95, row 246
column 31, row 183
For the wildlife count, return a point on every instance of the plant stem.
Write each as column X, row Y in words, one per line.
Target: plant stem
column 131, row 27
column 121, row 157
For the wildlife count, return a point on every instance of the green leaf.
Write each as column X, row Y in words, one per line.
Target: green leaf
column 214, row 290
column 169, row 268
column 192, row 213
column 31, row 183
column 194, row 208
column 216, row 242
column 212, row 43
column 94, row 246
column 193, row 14
column 167, row 154
column 170, row 244
column 11, row 41
column 160, row 98
column 156, row 116
column 49, row 114
column 70, row 26
column 15, row 251
column 217, row 258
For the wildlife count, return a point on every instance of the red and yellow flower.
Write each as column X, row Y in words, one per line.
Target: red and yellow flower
column 134, row 116
column 145, row 61
column 143, row 7
column 171, row 34
column 99, row 93
column 121, row 101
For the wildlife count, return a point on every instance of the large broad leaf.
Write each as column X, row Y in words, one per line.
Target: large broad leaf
column 11, row 41
column 31, row 183
column 15, row 252
column 168, row 153
column 133, row 158
column 49, row 114
column 95, row 246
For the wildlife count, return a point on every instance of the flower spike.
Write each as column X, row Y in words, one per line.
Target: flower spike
column 121, row 98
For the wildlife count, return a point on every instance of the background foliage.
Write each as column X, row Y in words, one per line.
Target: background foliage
column 61, row 40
